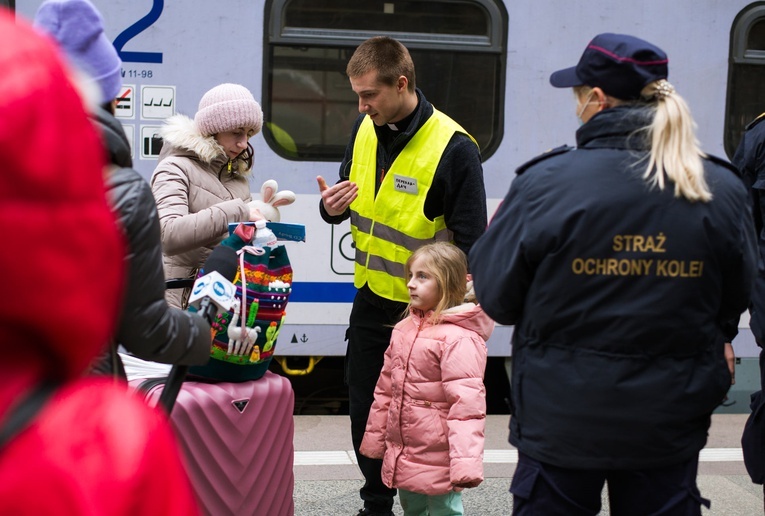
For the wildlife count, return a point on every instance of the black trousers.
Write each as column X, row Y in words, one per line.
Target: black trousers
column 371, row 324
column 753, row 437
column 540, row 488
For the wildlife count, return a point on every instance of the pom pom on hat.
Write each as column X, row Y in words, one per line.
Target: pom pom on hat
column 78, row 28
column 227, row 107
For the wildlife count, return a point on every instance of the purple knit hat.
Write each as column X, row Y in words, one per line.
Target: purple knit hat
column 78, row 28
column 227, row 107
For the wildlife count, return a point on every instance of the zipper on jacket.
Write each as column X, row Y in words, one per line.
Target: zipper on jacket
column 379, row 180
column 227, row 166
column 382, row 152
column 417, row 334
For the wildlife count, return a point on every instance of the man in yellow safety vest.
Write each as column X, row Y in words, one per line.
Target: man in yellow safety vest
column 411, row 175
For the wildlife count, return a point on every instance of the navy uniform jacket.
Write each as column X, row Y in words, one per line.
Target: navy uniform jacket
column 750, row 160
column 620, row 296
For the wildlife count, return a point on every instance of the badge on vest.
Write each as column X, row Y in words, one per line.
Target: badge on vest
column 405, row 184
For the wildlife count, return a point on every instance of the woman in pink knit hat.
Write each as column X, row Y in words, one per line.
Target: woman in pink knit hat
column 201, row 181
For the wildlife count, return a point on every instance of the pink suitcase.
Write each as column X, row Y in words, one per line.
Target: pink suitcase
column 237, row 439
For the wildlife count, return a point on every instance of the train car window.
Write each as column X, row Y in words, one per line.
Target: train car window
column 756, row 38
column 403, row 16
column 458, row 48
column 746, row 74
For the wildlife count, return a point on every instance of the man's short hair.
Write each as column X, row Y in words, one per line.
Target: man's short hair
column 389, row 57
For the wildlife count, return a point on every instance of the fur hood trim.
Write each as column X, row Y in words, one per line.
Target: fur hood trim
column 467, row 315
column 180, row 132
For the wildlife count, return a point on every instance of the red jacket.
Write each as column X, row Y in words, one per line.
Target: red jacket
column 92, row 449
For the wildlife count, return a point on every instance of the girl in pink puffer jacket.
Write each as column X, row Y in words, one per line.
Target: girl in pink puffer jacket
column 427, row 420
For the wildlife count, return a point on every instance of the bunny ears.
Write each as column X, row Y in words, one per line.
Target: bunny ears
column 272, row 199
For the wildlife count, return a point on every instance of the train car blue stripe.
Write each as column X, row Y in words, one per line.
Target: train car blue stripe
column 322, row 292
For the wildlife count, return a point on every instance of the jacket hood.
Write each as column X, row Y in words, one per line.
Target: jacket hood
column 115, row 141
column 181, row 137
column 468, row 315
column 65, row 268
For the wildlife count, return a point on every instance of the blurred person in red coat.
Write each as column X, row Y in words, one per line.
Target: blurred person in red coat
column 68, row 444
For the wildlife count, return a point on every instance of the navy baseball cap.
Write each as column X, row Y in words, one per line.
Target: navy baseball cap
column 620, row 65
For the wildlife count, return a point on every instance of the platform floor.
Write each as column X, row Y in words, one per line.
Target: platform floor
column 327, row 479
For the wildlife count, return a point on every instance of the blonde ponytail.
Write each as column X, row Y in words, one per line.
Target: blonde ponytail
column 675, row 151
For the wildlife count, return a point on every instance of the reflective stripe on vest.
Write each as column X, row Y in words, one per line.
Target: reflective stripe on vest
column 388, row 227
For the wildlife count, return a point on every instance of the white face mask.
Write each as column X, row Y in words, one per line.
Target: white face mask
column 584, row 106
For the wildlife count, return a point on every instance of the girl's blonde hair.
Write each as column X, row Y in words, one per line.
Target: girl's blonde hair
column 675, row 150
column 448, row 264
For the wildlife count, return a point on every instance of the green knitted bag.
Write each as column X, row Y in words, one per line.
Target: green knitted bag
column 244, row 343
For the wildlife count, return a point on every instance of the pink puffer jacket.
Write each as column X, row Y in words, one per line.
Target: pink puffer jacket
column 427, row 420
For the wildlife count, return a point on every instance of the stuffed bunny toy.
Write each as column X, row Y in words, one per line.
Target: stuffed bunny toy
column 271, row 200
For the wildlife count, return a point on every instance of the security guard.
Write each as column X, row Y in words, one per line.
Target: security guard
column 622, row 264
column 750, row 160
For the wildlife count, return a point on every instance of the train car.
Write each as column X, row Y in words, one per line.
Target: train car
column 484, row 62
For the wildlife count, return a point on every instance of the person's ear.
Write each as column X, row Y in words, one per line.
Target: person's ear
column 600, row 97
column 402, row 83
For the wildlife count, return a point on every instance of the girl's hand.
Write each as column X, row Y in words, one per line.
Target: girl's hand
column 466, row 485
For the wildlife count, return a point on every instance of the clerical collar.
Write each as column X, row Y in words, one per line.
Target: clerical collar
column 402, row 124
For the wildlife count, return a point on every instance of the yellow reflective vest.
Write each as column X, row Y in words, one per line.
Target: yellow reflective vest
column 388, row 227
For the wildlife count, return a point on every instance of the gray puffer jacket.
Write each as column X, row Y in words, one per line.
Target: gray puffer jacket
column 148, row 328
column 199, row 191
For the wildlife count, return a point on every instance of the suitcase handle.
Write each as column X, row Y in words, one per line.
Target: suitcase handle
column 173, row 387
column 177, row 372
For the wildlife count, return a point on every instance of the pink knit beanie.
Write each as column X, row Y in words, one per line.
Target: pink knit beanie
column 227, row 107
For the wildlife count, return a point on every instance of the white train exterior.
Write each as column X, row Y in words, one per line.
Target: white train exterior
column 484, row 62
